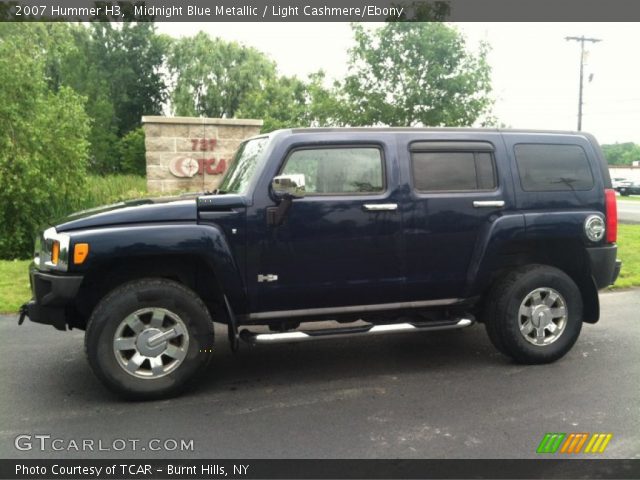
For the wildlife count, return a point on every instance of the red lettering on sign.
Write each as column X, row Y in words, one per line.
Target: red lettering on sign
column 185, row 166
column 221, row 167
column 203, row 144
column 211, row 167
column 206, row 165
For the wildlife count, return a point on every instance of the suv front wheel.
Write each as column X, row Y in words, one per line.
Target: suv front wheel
column 534, row 314
column 149, row 338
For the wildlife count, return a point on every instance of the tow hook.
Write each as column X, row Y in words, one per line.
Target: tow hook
column 23, row 313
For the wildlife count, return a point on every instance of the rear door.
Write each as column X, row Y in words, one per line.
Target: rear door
column 456, row 189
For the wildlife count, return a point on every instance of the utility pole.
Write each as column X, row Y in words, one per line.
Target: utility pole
column 581, row 39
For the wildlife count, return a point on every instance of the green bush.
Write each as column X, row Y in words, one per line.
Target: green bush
column 43, row 145
column 112, row 189
column 97, row 191
column 100, row 191
column 103, row 149
column 132, row 153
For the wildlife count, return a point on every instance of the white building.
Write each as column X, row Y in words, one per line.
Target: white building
column 626, row 173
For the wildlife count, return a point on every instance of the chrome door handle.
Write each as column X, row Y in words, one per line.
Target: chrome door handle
column 488, row 203
column 380, row 207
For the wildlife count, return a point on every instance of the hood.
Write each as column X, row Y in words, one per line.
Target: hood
column 221, row 202
column 135, row 211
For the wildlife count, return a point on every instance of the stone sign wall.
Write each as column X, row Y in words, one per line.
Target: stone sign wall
column 186, row 153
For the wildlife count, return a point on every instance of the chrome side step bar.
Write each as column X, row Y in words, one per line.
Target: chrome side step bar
column 360, row 331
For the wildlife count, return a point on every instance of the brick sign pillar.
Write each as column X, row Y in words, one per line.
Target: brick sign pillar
column 186, row 153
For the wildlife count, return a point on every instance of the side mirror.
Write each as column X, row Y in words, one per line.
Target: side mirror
column 292, row 185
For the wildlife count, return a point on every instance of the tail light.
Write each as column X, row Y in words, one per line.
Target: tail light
column 611, row 212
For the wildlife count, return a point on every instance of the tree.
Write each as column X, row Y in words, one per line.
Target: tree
column 118, row 68
column 123, row 81
column 213, row 77
column 621, row 153
column 132, row 153
column 421, row 11
column 43, row 141
column 415, row 73
column 130, row 57
column 287, row 102
column 57, row 43
column 282, row 103
column 324, row 106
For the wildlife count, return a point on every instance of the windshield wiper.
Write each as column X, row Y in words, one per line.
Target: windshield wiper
column 568, row 181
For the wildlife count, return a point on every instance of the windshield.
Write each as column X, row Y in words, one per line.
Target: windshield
column 243, row 167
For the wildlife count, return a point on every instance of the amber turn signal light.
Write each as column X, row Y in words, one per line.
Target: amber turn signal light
column 80, row 253
column 55, row 252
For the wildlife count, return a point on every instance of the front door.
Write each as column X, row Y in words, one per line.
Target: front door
column 340, row 245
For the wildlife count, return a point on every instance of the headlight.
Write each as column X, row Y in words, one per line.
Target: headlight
column 52, row 251
column 37, row 250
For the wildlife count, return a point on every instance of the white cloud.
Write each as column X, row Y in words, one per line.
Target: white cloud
column 535, row 71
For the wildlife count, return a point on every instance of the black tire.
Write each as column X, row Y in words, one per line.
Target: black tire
column 503, row 320
column 142, row 295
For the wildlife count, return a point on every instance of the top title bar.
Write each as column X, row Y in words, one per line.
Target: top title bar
column 322, row 11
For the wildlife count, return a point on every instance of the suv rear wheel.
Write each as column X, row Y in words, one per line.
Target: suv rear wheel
column 147, row 338
column 534, row 314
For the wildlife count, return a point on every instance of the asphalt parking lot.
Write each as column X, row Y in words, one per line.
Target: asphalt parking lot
column 428, row 395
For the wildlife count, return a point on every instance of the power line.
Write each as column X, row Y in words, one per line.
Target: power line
column 581, row 39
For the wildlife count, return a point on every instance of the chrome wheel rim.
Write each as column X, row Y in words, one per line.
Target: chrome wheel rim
column 151, row 343
column 542, row 316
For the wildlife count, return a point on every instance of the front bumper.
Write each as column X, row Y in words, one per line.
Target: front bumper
column 53, row 298
column 605, row 267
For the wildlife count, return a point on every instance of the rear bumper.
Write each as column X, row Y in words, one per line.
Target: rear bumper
column 605, row 267
column 53, row 298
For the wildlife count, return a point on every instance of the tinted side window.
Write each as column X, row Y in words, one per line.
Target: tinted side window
column 338, row 170
column 545, row 168
column 453, row 171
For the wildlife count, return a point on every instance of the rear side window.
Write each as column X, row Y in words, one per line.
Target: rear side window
column 343, row 170
column 453, row 171
column 549, row 168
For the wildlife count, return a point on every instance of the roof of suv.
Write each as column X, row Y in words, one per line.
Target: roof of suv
column 427, row 129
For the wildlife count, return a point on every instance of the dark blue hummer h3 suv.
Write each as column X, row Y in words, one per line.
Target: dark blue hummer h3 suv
column 387, row 230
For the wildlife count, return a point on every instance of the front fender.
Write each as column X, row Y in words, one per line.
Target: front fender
column 205, row 242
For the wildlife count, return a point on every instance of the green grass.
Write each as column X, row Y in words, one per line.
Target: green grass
column 629, row 253
column 99, row 191
column 630, row 197
column 114, row 188
column 14, row 278
column 106, row 190
column 109, row 189
column 14, row 284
